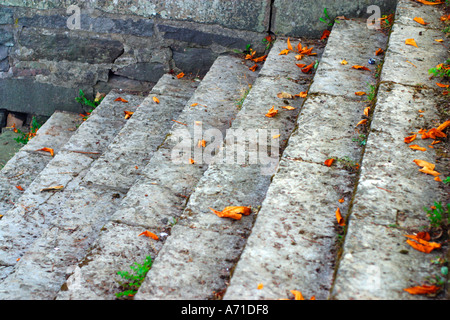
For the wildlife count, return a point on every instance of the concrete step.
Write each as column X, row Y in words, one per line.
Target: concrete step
column 26, row 221
column 376, row 261
column 293, row 244
column 28, row 162
column 81, row 222
column 197, row 258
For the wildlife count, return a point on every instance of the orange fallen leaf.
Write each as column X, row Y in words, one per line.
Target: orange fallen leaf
column 443, row 126
column 360, row 93
column 424, row 164
column 272, row 112
column 425, row 289
column 128, row 114
column 357, row 67
column 307, row 69
column 276, row 136
column 339, row 218
column 194, row 104
column 416, row 147
column 149, row 234
column 260, row 59
column 410, row 138
column 308, row 51
column 325, row 34
column 329, row 162
column 411, row 42
column 437, row 179
column 364, row 121
column 344, row 62
column 422, row 245
column 180, row 75
column 299, row 56
column 250, row 56
column 290, row 48
column 303, row 94
column 366, row 111
column 191, row 161
column 233, row 212
column 439, row 40
column 442, row 85
column 379, row 51
column 297, row 295
column 299, row 48
column 20, row 188
column 430, row 3
column 121, row 99
column 429, row 171
column 300, row 65
column 201, row 143
column 260, row 286
column 341, row 200
column 50, row 150
column 283, row 52
column 421, row 21
column 288, row 107
column 156, row 99
column 253, row 68
column 433, row 133
column 435, row 142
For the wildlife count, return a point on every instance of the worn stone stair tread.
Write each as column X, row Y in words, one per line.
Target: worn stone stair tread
column 219, row 95
column 27, row 163
column 376, row 261
column 197, row 257
column 293, row 242
column 28, row 218
column 83, row 206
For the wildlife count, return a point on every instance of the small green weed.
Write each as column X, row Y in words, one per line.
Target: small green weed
column 348, row 164
column 438, row 215
column 446, row 180
column 25, row 137
column 244, row 95
column 326, row 19
column 361, row 139
column 134, row 279
column 372, row 93
column 92, row 104
column 441, row 70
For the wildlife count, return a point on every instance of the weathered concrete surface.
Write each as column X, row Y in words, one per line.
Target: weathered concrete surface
column 67, row 167
column 391, row 192
column 301, row 18
column 293, row 243
column 376, row 262
column 242, row 15
column 85, row 205
column 229, row 182
column 159, row 196
column 27, row 163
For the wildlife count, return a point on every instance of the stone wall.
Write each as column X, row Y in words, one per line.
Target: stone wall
column 129, row 44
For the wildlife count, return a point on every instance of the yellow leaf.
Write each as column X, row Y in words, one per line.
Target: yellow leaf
column 411, row 42
column 283, row 52
column 288, row 108
column 344, row 62
column 420, row 20
column 156, row 99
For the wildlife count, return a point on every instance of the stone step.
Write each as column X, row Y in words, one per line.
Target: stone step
column 84, row 207
column 376, row 261
column 197, row 258
column 73, row 236
column 293, row 244
column 28, row 162
column 26, row 221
